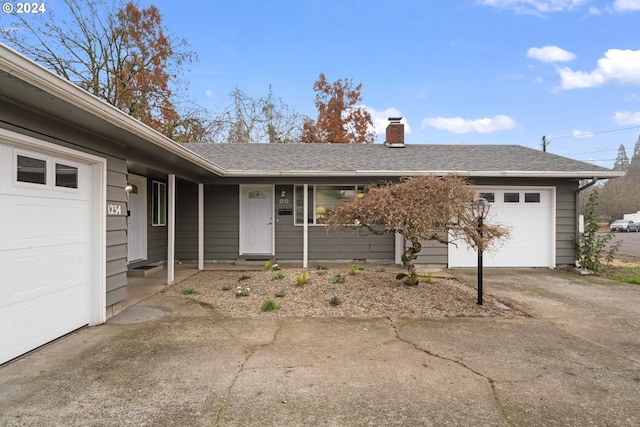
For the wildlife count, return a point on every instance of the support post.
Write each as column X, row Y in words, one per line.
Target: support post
column 200, row 226
column 171, row 229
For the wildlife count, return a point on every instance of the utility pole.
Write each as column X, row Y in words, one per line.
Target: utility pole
column 544, row 143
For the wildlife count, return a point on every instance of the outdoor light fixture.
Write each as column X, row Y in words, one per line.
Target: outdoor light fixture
column 480, row 209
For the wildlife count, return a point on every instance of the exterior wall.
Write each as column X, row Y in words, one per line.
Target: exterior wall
column 186, row 220
column 221, row 222
column 116, row 232
column 566, row 218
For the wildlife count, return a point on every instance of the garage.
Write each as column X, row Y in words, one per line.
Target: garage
column 529, row 213
column 52, row 252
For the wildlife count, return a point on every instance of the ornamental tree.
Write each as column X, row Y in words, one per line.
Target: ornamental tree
column 418, row 208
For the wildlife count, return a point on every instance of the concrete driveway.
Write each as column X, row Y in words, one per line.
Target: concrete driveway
column 175, row 362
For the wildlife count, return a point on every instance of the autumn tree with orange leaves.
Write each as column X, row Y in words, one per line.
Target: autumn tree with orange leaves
column 340, row 119
column 116, row 51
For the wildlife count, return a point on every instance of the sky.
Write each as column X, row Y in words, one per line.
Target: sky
column 457, row 71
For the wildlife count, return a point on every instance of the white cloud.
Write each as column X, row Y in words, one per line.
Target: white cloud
column 626, row 118
column 380, row 119
column 582, row 134
column 550, row 54
column 626, row 5
column 622, row 66
column 208, row 93
column 536, row 7
column 460, row 125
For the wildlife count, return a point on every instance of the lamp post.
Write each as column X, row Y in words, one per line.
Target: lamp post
column 480, row 208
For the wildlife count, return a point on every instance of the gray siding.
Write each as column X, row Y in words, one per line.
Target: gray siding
column 221, row 222
column 186, row 220
column 433, row 253
column 566, row 223
column 116, row 232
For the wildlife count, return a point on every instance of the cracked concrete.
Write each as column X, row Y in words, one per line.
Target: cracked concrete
column 574, row 362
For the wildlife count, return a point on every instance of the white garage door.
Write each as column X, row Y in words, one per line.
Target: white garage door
column 529, row 213
column 48, row 251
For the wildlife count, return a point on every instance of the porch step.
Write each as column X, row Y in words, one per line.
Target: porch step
column 144, row 270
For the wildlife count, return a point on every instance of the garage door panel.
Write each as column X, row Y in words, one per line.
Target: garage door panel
column 42, row 271
column 47, row 250
column 40, row 320
column 531, row 240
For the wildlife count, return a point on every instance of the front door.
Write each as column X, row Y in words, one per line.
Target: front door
column 256, row 220
column 137, row 219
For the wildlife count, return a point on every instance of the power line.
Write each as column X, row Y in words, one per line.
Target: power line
column 545, row 141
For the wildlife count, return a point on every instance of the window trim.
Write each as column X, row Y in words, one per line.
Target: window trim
column 158, row 204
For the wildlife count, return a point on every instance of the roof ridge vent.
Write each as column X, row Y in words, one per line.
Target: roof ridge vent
column 395, row 133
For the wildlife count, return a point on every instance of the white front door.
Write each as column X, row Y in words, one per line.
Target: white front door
column 256, row 220
column 137, row 219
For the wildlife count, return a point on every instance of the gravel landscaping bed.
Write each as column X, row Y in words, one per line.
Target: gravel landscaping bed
column 365, row 294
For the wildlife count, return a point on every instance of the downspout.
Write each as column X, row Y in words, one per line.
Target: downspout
column 577, row 202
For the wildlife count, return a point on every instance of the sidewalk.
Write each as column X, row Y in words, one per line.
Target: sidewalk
column 575, row 362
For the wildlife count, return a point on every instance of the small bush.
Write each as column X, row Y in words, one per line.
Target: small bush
column 275, row 267
column 335, row 301
column 302, row 278
column 281, row 293
column 241, row 292
column 338, row 278
column 381, row 270
column 277, row 275
column 189, row 291
column 227, row 287
column 321, row 272
column 354, row 268
column 270, row 305
column 267, row 265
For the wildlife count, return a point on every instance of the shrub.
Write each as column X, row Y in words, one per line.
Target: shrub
column 302, row 278
column 381, row 270
column 227, row 287
column 338, row 278
column 354, row 268
column 281, row 293
column 189, row 291
column 335, row 301
column 267, row 265
column 270, row 305
column 277, row 275
column 241, row 292
column 590, row 246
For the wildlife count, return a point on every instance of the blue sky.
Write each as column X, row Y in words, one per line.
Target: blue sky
column 458, row 71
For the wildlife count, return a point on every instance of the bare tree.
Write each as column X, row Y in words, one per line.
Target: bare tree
column 418, row 208
column 116, row 51
column 265, row 119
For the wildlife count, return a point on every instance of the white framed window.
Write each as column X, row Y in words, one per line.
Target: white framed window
column 31, row 169
column 158, row 204
column 66, row 175
column 321, row 199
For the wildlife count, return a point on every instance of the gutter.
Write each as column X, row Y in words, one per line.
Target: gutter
column 378, row 173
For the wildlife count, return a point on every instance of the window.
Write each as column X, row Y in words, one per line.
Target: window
column 66, row 176
column 159, row 203
column 31, row 170
column 512, row 197
column 321, row 199
column 532, row 197
column 489, row 197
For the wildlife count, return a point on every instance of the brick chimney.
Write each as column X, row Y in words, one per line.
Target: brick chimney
column 395, row 133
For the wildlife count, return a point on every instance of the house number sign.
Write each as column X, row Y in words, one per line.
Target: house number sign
column 115, row 209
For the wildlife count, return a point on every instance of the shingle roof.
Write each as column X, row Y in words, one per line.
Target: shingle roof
column 378, row 159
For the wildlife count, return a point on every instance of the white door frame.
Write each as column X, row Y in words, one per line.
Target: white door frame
column 141, row 183
column 242, row 189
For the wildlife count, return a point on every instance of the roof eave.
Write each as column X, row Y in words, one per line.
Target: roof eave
column 387, row 173
column 34, row 74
